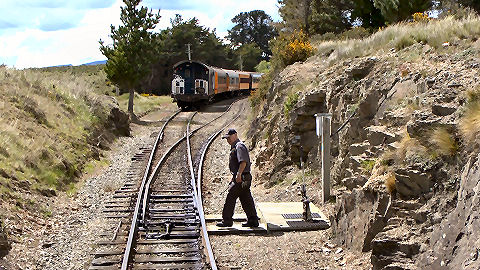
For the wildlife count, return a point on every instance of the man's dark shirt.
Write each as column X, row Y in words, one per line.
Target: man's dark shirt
column 238, row 153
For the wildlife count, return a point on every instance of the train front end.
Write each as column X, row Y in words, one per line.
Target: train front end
column 190, row 84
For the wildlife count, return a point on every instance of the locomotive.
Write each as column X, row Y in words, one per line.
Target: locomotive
column 195, row 82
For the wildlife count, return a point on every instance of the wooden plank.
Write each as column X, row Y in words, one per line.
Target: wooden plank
column 171, row 200
column 218, row 217
column 108, row 252
column 168, row 266
column 165, row 251
column 104, row 267
column 273, row 214
column 171, row 210
column 104, row 262
column 236, row 229
column 165, row 260
column 166, row 241
column 163, row 196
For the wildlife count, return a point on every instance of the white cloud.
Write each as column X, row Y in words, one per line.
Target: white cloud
column 36, row 48
column 32, row 47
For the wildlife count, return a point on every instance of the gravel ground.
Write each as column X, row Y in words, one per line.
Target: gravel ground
column 65, row 240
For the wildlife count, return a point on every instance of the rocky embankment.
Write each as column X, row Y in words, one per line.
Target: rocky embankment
column 405, row 180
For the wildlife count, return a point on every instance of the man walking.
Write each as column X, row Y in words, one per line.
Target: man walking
column 239, row 164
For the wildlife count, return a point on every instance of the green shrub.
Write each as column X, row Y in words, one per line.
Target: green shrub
column 367, row 165
column 263, row 67
column 264, row 86
column 291, row 48
column 290, row 102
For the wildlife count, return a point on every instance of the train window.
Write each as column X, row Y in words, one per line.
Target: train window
column 187, row 73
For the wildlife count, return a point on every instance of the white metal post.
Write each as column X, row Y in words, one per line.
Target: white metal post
column 323, row 128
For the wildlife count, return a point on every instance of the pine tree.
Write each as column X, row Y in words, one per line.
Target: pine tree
column 295, row 14
column 134, row 48
column 253, row 27
column 398, row 10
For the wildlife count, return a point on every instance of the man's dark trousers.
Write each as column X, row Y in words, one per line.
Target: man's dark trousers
column 246, row 199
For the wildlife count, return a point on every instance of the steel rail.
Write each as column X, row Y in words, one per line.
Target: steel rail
column 208, row 245
column 144, row 192
column 134, row 225
column 154, row 174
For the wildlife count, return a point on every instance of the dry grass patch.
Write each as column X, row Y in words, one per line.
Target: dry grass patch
column 469, row 124
column 401, row 35
column 409, row 150
column 390, row 182
column 444, row 142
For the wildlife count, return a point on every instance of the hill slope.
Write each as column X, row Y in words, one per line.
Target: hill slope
column 409, row 96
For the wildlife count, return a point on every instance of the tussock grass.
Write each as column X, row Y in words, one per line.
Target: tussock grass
column 469, row 124
column 410, row 150
column 401, row 35
column 390, row 182
column 444, row 142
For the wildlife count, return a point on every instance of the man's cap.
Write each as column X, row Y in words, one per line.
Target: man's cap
column 231, row 131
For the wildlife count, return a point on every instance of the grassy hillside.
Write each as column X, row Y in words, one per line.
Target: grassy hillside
column 435, row 33
column 53, row 122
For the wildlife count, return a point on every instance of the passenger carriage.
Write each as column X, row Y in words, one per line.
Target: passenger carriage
column 195, row 82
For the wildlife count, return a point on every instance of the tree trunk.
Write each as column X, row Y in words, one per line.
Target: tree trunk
column 307, row 16
column 130, row 100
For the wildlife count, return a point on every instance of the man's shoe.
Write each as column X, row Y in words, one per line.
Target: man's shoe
column 251, row 224
column 223, row 224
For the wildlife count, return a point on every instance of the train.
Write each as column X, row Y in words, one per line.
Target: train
column 195, row 82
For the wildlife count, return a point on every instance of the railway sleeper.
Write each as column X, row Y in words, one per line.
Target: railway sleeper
column 165, row 196
column 172, row 235
column 174, row 222
column 125, row 210
column 149, row 242
column 119, row 205
column 99, row 267
column 126, row 191
column 177, row 228
column 142, row 259
column 147, row 250
column 168, row 266
column 164, row 215
column 171, row 210
column 105, row 262
column 171, row 200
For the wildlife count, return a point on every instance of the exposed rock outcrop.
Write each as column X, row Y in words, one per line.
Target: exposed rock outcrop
column 359, row 216
column 4, row 243
column 455, row 243
column 384, row 111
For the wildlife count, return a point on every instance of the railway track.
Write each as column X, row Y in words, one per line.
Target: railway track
column 161, row 223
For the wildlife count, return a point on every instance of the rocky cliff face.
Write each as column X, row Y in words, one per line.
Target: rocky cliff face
column 4, row 243
column 455, row 242
column 398, row 158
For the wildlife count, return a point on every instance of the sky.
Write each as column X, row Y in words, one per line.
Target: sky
column 41, row 33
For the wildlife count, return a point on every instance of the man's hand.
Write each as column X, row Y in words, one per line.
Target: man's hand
column 238, row 179
column 241, row 167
